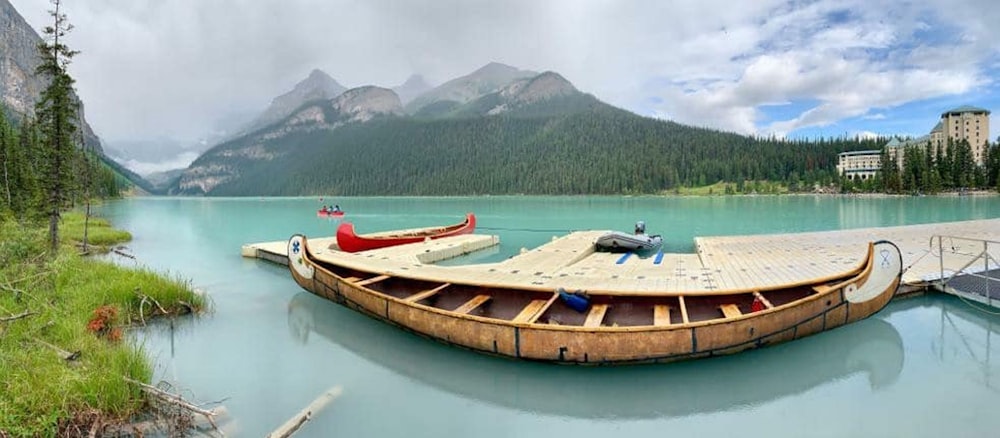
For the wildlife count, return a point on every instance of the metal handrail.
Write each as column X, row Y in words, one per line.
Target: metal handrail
column 984, row 254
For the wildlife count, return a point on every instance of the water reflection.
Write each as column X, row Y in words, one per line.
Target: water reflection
column 872, row 347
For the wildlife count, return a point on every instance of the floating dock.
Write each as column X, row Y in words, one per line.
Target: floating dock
column 720, row 263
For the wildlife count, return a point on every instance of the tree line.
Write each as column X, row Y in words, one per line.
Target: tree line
column 44, row 166
column 947, row 167
column 602, row 150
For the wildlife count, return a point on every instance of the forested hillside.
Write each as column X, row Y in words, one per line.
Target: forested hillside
column 602, row 150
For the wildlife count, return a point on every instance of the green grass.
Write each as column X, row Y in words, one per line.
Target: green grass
column 38, row 389
column 99, row 231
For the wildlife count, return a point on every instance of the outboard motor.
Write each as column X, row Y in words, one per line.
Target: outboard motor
column 640, row 227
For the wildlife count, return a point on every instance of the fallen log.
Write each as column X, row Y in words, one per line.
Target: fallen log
column 65, row 355
column 293, row 424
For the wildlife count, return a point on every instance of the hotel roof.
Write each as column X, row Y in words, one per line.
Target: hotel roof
column 965, row 109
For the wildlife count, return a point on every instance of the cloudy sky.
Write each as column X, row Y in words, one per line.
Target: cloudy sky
column 176, row 68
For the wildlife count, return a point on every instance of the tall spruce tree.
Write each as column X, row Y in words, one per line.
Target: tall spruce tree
column 56, row 113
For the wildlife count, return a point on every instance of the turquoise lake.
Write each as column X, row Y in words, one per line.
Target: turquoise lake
column 923, row 366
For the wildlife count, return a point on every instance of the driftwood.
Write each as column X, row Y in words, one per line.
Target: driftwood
column 16, row 317
column 122, row 253
column 142, row 304
column 176, row 400
column 65, row 355
column 293, row 424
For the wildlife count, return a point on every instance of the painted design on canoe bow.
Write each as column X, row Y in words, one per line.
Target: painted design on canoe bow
column 296, row 250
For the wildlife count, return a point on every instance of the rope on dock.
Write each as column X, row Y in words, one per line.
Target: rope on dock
column 928, row 251
column 529, row 230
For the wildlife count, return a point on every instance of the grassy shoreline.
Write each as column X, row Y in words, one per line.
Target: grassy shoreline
column 67, row 304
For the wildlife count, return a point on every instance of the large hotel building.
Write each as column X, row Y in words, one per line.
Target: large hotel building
column 963, row 123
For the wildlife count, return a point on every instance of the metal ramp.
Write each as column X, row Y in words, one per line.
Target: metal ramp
column 978, row 279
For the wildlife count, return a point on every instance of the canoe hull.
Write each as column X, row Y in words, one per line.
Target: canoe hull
column 550, row 342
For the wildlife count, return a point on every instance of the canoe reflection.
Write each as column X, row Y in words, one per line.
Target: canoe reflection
column 871, row 346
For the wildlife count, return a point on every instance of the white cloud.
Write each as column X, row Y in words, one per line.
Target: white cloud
column 151, row 68
column 143, row 168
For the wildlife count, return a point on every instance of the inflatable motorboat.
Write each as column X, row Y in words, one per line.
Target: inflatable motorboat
column 617, row 241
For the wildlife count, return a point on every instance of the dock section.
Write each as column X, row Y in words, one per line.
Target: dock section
column 721, row 262
column 426, row 252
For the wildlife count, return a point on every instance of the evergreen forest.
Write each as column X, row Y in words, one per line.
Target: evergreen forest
column 601, row 150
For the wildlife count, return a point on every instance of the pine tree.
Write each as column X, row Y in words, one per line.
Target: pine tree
column 56, row 113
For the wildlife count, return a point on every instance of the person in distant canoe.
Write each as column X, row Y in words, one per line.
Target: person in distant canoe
column 336, row 209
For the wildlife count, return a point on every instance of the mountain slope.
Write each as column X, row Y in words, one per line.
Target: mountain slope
column 601, row 151
column 414, row 86
column 226, row 161
column 20, row 88
column 317, row 86
column 488, row 79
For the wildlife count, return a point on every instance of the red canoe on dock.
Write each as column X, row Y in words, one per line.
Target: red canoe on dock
column 349, row 241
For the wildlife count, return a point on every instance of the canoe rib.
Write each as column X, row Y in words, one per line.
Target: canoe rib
column 518, row 322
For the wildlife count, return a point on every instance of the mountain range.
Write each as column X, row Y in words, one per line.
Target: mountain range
column 496, row 130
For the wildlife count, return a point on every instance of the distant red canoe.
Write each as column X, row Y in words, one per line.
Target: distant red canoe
column 322, row 213
column 350, row 241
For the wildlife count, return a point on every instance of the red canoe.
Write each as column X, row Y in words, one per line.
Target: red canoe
column 322, row 213
column 350, row 241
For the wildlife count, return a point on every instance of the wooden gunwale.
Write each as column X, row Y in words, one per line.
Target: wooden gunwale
column 845, row 279
column 841, row 279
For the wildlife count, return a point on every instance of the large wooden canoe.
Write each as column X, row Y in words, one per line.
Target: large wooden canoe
column 870, row 351
column 350, row 241
column 535, row 323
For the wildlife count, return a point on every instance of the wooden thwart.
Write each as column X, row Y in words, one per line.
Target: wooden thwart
column 426, row 294
column 730, row 310
column 531, row 312
column 596, row 315
column 661, row 314
column 371, row 280
column 473, row 304
column 763, row 300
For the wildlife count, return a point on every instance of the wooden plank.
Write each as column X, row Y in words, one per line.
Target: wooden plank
column 530, row 312
column 472, row 304
column 661, row 314
column 351, row 279
column 730, row 310
column 763, row 300
column 684, row 310
column 372, row 280
column 596, row 315
column 425, row 294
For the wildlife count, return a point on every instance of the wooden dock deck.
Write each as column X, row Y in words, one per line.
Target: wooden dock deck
column 721, row 263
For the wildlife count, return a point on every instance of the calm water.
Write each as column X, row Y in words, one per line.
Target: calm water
column 921, row 367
